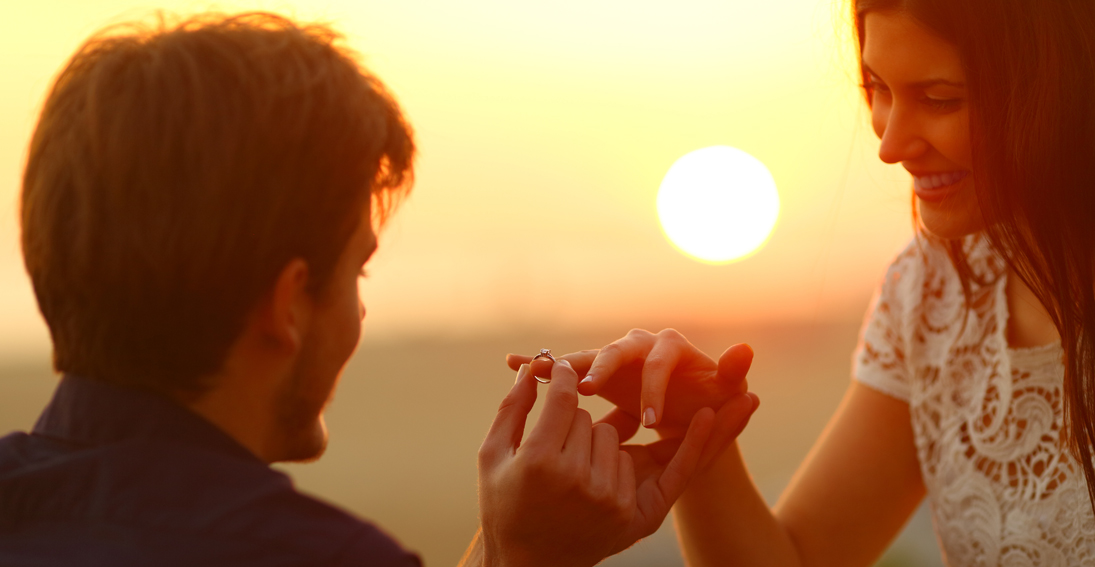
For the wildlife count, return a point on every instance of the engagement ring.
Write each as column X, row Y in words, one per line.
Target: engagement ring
column 544, row 353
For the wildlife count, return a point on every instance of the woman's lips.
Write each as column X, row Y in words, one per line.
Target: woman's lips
column 937, row 186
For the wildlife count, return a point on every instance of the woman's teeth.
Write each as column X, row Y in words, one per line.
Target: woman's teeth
column 933, row 181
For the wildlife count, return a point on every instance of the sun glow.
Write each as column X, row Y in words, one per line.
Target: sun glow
column 718, row 204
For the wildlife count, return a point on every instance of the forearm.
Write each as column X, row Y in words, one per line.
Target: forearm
column 723, row 520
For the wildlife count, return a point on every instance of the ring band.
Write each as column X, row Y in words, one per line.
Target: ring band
column 544, row 353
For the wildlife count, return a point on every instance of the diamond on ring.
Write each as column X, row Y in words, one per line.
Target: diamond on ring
column 544, row 353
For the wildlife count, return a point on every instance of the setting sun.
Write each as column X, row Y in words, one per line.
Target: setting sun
column 718, row 204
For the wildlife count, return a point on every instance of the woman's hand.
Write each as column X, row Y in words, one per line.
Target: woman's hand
column 660, row 379
column 569, row 494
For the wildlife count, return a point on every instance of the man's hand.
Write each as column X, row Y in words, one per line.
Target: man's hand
column 569, row 494
column 660, row 379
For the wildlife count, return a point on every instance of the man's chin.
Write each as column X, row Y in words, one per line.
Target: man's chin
column 306, row 446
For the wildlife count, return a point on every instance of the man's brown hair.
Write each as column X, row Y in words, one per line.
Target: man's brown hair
column 176, row 170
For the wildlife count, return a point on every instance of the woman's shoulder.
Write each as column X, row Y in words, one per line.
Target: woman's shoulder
column 927, row 268
column 923, row 259
column 917, row 310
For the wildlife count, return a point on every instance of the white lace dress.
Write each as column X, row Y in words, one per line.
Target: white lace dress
column 987, row 418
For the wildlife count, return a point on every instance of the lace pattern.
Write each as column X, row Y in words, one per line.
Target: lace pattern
column 988, row 420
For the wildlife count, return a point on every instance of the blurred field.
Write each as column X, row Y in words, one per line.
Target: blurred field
column 409, row 415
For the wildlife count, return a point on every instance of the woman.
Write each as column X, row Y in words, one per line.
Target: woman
column 974, row 380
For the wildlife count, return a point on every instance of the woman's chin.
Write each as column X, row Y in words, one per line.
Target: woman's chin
column 950, row 220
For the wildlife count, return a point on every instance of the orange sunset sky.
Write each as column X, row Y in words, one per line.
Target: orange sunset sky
column 545, row 128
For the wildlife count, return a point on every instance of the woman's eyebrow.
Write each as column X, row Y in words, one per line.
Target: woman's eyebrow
column 922, row 84
column 933, row 82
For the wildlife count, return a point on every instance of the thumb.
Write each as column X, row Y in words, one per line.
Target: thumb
column 509, row 425
column 730, row 421
column 734, row 363
column 679, row 471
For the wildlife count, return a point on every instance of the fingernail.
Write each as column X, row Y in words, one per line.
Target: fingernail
column 587, row 379
column 566, row 362
column 521, row 373
column 648, row 417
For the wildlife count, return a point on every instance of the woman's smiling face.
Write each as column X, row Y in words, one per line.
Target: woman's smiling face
column 920, row 111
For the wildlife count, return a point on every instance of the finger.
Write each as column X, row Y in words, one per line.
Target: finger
column 663, row 450
column 642, row 462
column 625, row 480
column 579, row 439
column 579, row 361
column 734, row 365
column 541, row 367
column 514, row 361
column 650, row 460
column 730, row 421
column 626, row 425
column 509, row 425
column 605, row 459
column 604, row 452
column 614, row 356
column 678, row 472
column 560, row 405
column 658, row 367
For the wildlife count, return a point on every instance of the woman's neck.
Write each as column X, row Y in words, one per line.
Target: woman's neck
column 1029, row 324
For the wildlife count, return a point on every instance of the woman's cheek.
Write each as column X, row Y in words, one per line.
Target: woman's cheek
column 963, row 150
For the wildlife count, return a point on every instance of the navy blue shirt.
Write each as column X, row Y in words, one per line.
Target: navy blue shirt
column 117, row 477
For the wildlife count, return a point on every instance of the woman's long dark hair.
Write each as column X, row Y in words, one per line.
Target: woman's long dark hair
column 1030, row 71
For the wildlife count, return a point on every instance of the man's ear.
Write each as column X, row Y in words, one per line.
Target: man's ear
column 286, row 314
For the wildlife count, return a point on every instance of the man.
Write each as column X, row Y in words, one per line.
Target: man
column 198, row 204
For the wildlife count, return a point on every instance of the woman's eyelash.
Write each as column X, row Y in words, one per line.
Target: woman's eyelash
column 939, row 104
column 942, row 103
column 875, row 85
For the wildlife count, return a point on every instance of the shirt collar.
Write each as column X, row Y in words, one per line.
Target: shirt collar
column 91, row 412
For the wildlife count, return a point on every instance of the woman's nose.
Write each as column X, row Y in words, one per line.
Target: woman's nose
column 901, row 139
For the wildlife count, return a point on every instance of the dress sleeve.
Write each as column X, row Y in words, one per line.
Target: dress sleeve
column 879, row 360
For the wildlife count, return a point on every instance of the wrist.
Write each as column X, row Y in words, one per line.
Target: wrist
column 496, row 553
column 507, row 554
column 509, row 560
